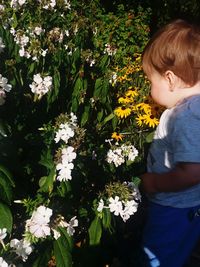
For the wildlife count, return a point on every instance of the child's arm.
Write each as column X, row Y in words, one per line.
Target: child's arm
column 182, row 177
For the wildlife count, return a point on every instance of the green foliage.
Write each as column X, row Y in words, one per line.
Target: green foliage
column 62, row 250
column 78, row 50
column 6, row 220
column 95, row 231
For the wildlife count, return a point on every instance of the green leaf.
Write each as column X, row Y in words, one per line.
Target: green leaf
column 64, row 188
column 85, row 115
column 67, row 240
column 114, row 122
column 108, row 118
column 100, row 115
column 6, row 219
column 106, row 219
column 104, row 91
column 149, row 137
column 47, row 159
column 136, row 180
column 62, row 252
column 46, row 182
column 7, row 174
column 104, row 62
column 98, row 87
column 5, row 189
column 78, row 86
column 95, row 231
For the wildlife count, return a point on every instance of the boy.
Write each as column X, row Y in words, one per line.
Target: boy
column 171, row 61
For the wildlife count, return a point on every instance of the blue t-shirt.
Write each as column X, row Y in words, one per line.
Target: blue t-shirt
column 177, row 139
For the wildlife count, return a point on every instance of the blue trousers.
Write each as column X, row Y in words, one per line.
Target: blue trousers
column 170, row 234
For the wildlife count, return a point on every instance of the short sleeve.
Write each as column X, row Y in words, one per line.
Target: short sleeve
column 186, row 137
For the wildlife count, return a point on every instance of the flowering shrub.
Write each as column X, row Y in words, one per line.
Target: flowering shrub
column 124, row 205
column 76, row 80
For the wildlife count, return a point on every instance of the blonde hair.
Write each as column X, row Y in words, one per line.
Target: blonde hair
column 175, row 47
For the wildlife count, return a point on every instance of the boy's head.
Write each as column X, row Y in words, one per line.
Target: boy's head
column 175, row 47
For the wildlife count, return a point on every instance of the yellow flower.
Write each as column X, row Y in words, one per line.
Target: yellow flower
column 117, row 136
column 124, row 100
column 140, row 120
column 132, row 92
column 145, row 107
column 150, row 120
column 122, row 112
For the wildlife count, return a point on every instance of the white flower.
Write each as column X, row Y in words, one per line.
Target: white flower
column 130, row 207
column 70, row 226
column 3, row 233
column 43, row 52
column 68, row 154
column 21, row 39
column 21, row 2
column 56, row 234
column 110, row 50
column 42, row 214
column 118, row 155
column 40, row 86
column 64, row 133
column 100, row 206
column 67, row 34
column 115, row 156
column 38, row 224
column 65, row 166
column 4, row 87
column 73, row 118
column 2, row 7
column 115, row 205
column 67, row 4
column 24, row 53
column 38, row 30
column 22, row 248
column 65, row 170
column 4, row 84
column 37, row 78
column 51, row 4
column 38, row 230
column 72, row 223
column 113, row 78
column 3, row 263
column 130, row 152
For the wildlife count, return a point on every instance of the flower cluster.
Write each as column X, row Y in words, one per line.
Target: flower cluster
column 66, row 166
column 20, row 247
column 131, row 99
column 38, row 224
column 65, row 130
column 121, row 199
column 17, row 3
column 69, row 225
column 41, row 226
column 118, row 154
column 41, row 85
column 110, row 50
column 4, row 87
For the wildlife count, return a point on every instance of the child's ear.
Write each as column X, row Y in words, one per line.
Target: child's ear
column 171, row 79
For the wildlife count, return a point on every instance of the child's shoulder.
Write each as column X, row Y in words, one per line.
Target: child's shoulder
column 189, row 107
